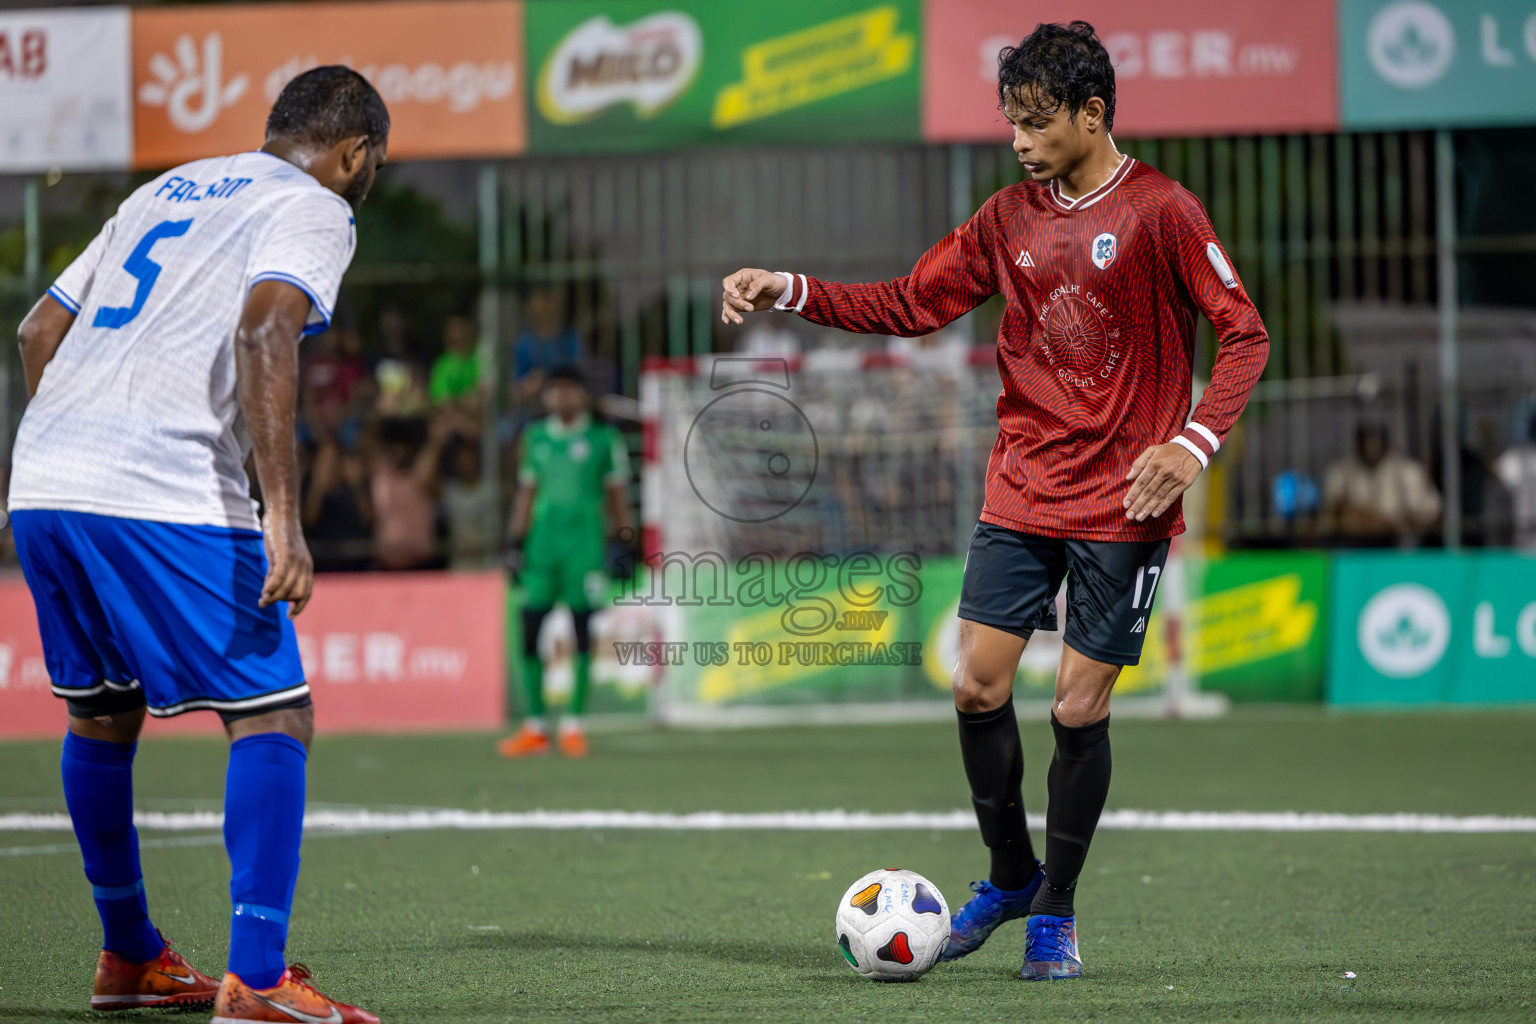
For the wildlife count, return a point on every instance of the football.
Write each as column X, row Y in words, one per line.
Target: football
column 892, row 925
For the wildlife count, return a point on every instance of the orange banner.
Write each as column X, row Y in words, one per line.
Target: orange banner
column 382, row 653
column 451, row 72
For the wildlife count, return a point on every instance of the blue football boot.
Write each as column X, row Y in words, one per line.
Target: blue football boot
column 1050, row 949
column 990, row 907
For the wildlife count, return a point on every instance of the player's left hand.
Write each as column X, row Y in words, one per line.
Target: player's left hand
column 1159, row 475
column 290, row 569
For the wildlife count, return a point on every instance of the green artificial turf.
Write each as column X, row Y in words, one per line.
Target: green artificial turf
column 616, row 925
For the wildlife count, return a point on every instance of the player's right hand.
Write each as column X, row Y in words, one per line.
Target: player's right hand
column 748, row 290
column 290, row 570
column 512, row 560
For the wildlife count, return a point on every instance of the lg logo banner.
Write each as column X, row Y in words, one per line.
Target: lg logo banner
column 1420, row 63
column 1433, row 628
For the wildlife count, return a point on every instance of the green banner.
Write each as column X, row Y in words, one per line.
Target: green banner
column 863, row 629
column 811, row 633
column 1416, row 63
column 1253, row 626
column 1433, row 628
column 867, row 628
column 626, row 75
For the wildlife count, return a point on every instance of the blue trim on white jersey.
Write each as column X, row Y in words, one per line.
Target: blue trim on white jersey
column 325, row 314
column 64, row 300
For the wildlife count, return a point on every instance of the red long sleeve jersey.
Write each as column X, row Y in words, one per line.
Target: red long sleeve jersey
column 1095, row 348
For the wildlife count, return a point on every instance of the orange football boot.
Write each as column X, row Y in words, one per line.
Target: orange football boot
column 526, row 742
column 293, row 998
column 573, row 743
column 167, row 980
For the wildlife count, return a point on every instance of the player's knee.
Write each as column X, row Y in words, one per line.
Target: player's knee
column 974, row 692
column 300, row 724
column 1077, row 710
column 296, row 722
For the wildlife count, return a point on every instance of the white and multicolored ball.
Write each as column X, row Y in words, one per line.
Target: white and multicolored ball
column 892, row 925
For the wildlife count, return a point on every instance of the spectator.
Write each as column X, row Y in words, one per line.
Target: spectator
column 1378, row 496
column 404, row 493
column 398, row 376
column 1516, row 470
column 456, row 372
column 337, row 510
column 545, row 342
column 334, row 384
column 472, row 509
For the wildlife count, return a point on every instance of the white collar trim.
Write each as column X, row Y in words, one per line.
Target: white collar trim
column 1084, row 201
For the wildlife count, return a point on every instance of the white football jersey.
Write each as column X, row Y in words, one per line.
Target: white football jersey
column 137, row 415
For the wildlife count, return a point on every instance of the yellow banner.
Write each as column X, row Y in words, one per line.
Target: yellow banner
column 1249, row 623
column 815, row 63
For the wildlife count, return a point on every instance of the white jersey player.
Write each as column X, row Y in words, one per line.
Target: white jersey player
column 163, row 357
column 136, row 414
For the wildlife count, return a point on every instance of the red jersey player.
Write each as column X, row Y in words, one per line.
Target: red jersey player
column 1105, row 264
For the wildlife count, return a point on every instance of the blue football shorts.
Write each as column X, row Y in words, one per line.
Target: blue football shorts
column 136, row 613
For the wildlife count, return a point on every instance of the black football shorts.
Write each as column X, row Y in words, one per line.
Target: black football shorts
column 1011, row 581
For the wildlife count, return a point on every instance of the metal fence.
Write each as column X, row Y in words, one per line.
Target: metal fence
column 1336, row 237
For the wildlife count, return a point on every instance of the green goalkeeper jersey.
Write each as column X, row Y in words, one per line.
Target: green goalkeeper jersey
column 570, row 467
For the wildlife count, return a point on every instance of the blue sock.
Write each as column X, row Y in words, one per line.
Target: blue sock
column 98, row 788
column 263, row 824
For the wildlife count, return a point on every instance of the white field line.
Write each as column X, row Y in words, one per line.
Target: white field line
column 351, row 821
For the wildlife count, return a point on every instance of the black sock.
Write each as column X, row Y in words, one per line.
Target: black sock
column 994, row 764
column 1078, row 783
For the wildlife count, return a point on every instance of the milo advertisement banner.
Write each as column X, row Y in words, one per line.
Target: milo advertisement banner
column 616, row 75
column 1433, row 628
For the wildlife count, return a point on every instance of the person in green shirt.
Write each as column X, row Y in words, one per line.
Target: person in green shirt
column 456, row 373
column 572, row 496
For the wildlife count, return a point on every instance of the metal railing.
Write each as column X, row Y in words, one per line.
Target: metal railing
column 1323, row 229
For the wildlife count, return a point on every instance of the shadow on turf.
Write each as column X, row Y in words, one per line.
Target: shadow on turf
column 814, row 960
column 26, row 1013
column 727, row 951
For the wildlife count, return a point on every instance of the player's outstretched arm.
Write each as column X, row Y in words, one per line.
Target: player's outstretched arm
column 749, row 290
column 267, row 372
column 39, row 337
column 951, row 279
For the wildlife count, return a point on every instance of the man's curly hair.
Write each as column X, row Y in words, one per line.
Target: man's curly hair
column 327, row 104
column 1058, row 66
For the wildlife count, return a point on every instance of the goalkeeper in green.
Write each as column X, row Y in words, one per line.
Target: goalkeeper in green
column 572, row 499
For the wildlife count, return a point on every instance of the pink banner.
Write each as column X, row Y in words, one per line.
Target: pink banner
column 383, row 653
column 1199, row 67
